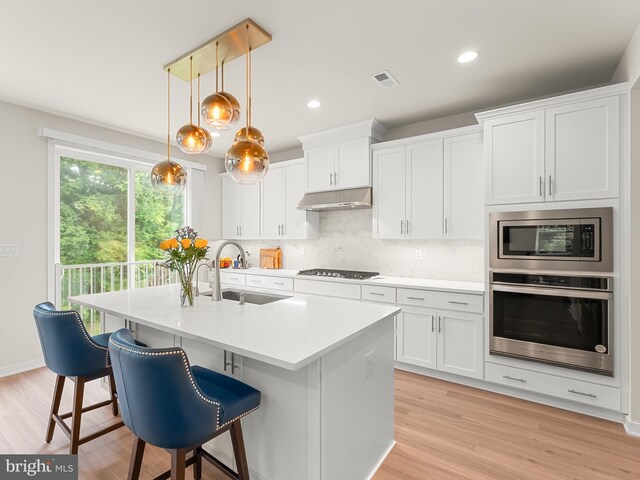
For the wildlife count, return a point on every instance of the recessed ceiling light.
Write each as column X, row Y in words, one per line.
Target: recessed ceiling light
column 313, row 104
column 468, row 57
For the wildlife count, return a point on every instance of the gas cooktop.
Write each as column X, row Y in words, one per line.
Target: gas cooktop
column 351, row 274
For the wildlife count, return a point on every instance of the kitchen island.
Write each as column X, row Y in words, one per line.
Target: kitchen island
column 324, row 367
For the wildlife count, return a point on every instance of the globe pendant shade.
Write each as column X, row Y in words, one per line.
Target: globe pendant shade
column 247, row 162
column 255, row 135
column 193, row 139
column 216, row 111
column 168, row 178
column 235, row 109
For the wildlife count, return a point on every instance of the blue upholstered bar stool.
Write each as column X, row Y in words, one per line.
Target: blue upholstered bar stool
column 170, row 404
column 70, row 352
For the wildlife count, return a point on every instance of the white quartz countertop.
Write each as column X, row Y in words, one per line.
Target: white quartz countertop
column 289, row 333
column 380, row 280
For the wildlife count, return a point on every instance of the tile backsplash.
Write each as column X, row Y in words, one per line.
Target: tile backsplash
column 345, row 242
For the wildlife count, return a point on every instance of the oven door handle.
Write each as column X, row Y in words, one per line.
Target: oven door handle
column 552, row 292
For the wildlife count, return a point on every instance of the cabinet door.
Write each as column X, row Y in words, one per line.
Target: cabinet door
column 514, row 157
column 416, row 337
column 353, row 164
column 250, row 205
column 230, row 208
column 389, row 176
column 464, row 187
column 272, row 204
column 583, row 150
column 295, row 220
column 460, row 343
column 424, row 190
column 320, row 168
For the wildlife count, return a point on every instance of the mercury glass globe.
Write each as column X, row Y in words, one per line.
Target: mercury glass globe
column 216, row 111
column 235, row 108
column 247, row 162
column 255, row 135
column 193, row 139
column 168, row 178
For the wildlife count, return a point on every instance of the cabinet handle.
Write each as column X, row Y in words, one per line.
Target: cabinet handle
column 283, row 230
column 446, row 226
column 279, row 228
column 279, row 283
column 439, row 324
column 330, row 178
column 255, row 281
column 240, row 230
column 401, row 227
column 407, row 222
column 433, row 323
column 234, row 365
column 550, row 193
column 376, row 294
column 226, row 363
column 335, row 178
column 590, row 395
column 521, row 380
column 458, row 303
column 540, row 187
column 416, row 298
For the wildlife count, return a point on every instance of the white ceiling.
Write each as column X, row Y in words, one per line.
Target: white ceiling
column 102, row 61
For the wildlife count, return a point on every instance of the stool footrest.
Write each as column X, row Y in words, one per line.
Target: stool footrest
column 218, row 464
column 87, row 409
column 164, row 476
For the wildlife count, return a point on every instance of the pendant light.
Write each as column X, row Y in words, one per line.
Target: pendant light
column 247, row 161
column 216, row 110
column 190, row 137
column 168, row 177
column 235, row 104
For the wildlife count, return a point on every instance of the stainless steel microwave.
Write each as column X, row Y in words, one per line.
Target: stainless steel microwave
column 567, row 240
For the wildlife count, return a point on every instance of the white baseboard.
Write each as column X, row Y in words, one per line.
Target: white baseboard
column 382, row 459
column 21, row 367
column 632, row 428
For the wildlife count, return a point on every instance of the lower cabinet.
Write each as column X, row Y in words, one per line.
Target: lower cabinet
column 448, row 341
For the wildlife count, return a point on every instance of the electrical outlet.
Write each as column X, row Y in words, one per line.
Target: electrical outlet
column 248, row 250
column 9, row 250
column 301, row 251
column 417, row 255
column 370, row 363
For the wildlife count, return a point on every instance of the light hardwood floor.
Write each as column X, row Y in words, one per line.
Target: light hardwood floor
column 444, row 431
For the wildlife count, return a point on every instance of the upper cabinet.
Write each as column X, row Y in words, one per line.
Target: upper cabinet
column 429, row 187
column 240, row 209
column 564, row 148
column 340, row 158
column 282, row 189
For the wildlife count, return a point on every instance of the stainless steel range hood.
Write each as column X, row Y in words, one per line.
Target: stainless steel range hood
column 336, row 200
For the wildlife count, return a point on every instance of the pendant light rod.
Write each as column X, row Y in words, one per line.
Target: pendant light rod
column 216, row 67
column 222, row 75
column 248, row 66
column 198, row 97
column 191, row 90
column 169, row 115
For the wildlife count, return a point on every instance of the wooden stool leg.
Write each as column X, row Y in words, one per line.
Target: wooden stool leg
column 136, row 459
column 55, row 406
column 78, row 394
column 112, row 387
column 238, row 450
column 197, row 466
column 178, row 463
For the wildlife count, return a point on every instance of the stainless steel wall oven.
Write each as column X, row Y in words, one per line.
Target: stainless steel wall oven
column 543, row 306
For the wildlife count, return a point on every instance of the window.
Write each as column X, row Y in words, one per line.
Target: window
column 106, row 220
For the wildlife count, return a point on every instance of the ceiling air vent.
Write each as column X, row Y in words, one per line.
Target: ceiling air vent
column 384, row 79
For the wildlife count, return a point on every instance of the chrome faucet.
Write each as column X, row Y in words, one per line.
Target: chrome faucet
column 216, row 294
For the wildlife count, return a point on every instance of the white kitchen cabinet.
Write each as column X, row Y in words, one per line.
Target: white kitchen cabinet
column 463, row 187
column 340, row 158
column 429, row 189
column 282, row 189
column 445, row 339
column 559, row 149
column 240, row 209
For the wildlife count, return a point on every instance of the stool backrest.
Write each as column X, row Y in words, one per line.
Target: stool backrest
column 68, row 348
column 159, row 399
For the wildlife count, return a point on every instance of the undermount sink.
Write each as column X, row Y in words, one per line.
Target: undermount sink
column 249, row 297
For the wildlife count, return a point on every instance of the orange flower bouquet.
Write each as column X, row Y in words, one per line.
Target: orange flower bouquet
column 184, row 252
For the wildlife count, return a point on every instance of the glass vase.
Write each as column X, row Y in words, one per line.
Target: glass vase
column 186, row 288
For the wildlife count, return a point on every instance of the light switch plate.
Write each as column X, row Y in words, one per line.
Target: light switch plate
column 417, row 255
column 9, row 250
column 301, row 251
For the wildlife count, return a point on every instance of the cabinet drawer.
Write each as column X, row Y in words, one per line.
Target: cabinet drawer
column 232, row 278
column 329, row 289
column 560, row 387
column 373, row 293
column 460, row 302
column 274, row 283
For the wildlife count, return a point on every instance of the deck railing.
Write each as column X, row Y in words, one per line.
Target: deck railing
column 106, row 277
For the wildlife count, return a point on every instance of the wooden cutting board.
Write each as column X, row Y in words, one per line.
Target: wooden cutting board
column 271, row 258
